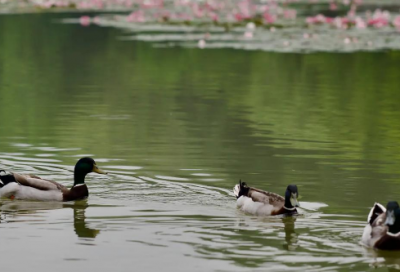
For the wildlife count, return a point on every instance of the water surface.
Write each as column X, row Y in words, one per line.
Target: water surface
column 177, row 128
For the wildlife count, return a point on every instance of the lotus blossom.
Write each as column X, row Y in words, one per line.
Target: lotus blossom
column 152, row 3
column 84, row 20
column 137, row 17
column 396, row 22
column 228, row 12
column 378, row 22
column 333, row 6
column 319, row 19
column 360, row 23
column 269, row 18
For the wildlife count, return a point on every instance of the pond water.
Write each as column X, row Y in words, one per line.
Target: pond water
column 177, row 128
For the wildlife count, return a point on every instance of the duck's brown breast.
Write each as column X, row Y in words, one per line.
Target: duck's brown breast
column 388, row 242
column 282, row 210
column 76, row 193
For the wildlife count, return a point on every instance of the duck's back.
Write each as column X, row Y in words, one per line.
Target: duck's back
column 265, row 197
column 259, row 202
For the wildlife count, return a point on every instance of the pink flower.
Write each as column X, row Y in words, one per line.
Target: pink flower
column 136, row 16
column 333, row 6
column 238, row 17
column 360, row 23
column 248, row 35
column 396, row 22
column 96, row 20
column 289, row 14
column 153, row 3
column 269, row 18
column 213, row 16
column 328, row 20
column 319, row 19
column 197, row 11
column 84, row 20
column 245, row 8
column 378, row 23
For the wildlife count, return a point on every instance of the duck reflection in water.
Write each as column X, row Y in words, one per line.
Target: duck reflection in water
column 80, row 226
column 383, row 259
column 291, row 237
column 9, row 210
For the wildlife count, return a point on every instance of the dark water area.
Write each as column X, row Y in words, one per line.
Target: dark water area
column 177, row 128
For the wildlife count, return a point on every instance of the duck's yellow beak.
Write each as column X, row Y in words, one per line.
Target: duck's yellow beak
column 294, row 201
column 98, row 170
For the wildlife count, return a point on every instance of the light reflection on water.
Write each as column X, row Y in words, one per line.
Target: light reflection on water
column 177, row 128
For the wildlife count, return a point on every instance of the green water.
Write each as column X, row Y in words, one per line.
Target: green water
column 177, row 128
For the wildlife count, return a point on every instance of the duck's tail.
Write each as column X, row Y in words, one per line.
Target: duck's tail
column 6, row 178
column 376, row 210
column 240, row 189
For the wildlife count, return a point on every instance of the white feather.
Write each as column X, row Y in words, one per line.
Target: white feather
column 247, row 205
column 29, row 193
column 366, row 237
column 236, row 190
column 9, row 190
column 372, row 210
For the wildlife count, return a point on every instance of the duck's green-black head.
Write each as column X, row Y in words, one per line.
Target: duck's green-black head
column 83, row 167
column 393, row 217
column 291, row 195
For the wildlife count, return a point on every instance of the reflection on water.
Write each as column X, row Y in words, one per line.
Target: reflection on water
column 177, row 128
column 80, row 226
column 14, row 211
column 383, row 259
column 291, row 236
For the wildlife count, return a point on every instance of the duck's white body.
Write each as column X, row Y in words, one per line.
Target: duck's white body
column 18, row 191
column 368, row 238
column 375, row 228
column 247, row 205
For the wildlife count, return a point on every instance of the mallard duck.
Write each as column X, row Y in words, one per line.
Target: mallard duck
column 383, row 228
column 31, row 187
column 258, row 202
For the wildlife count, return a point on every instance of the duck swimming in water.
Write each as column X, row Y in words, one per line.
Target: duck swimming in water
column 383, row 228
column 259, row 202
column 31, row 187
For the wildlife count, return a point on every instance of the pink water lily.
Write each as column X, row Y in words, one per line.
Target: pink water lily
column 378, row 22
column 396, row 22
column 333, row 6
column 84, row 20
column 137, row 17
column 269, row 18
column 319, row 19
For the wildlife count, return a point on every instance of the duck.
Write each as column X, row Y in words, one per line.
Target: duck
column 31, row 187
column 258, row 202
column 383, row 228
